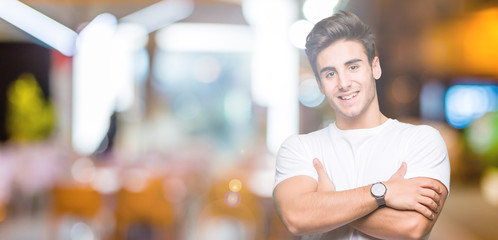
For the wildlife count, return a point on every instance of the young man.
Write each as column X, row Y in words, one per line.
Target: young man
column 365, row 176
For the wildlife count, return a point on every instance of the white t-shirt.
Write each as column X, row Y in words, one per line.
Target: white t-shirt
column 360, row 157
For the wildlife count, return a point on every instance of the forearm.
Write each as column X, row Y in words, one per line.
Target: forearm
column 388, row 223
column 318, row 212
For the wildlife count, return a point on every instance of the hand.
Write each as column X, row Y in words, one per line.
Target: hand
column 418, row 194
column 324, row 182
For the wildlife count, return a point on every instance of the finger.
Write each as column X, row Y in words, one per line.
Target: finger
column 319, row 168
column 430, row 184
column 324, row 182
column 426, row 212
column 429, row 203
column 431, row 194
column 322, row 175
column 402, row 169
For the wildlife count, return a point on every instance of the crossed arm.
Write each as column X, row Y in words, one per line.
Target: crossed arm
column 309, row 207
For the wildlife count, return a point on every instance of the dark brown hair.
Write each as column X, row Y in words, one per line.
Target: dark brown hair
column 342, row 25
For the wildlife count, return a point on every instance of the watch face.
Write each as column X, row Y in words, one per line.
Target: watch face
column 378, row 189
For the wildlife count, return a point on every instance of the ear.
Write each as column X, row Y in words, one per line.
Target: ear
column 376, row 69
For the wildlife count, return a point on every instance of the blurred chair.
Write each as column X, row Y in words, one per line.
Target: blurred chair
column 145, row 214
column 80, row 201
column 3, row 212
column 74, row 203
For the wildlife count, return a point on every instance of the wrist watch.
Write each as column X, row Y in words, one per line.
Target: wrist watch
column 378, row 190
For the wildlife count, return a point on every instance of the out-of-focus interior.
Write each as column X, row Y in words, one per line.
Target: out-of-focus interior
column 147, row 119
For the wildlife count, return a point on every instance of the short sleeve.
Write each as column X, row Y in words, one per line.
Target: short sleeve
column 427, row 156
column 293, row 160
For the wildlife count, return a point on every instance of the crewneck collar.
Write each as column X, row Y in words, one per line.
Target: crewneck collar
column 362, row 131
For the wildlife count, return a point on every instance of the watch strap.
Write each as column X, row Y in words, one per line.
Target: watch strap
column 381, row 201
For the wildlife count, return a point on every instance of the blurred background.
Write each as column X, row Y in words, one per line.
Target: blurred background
column 147, row 119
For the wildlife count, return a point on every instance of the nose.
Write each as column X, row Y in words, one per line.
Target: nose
column 344, row 82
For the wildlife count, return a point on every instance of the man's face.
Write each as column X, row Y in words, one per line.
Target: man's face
column 348, row 80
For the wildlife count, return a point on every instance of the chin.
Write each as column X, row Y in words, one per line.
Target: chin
column 349, row 114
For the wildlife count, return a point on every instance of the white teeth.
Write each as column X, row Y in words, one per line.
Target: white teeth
column 349, row 97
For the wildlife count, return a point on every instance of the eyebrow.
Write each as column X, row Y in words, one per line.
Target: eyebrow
column 325, row 69
column 354, row 60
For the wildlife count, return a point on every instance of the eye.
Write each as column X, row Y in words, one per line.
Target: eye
column 330, row 74
column 353, row 67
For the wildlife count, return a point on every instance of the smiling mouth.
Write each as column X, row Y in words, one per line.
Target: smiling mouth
column 347, row 97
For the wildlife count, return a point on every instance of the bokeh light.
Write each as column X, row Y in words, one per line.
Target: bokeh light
column 81, row 231
column 483, row 133
column 83, row 170
column 309, row 93
column 316, row 10
column 235, row 185
column 489, row 186
column 106, row 180
column 232, row 199
column 298, row 33
column 465, row 103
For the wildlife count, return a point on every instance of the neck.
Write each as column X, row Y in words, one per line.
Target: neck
column 351, row 123
column 372, row 117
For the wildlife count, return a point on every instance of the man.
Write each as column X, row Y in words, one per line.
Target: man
column 365, row 176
